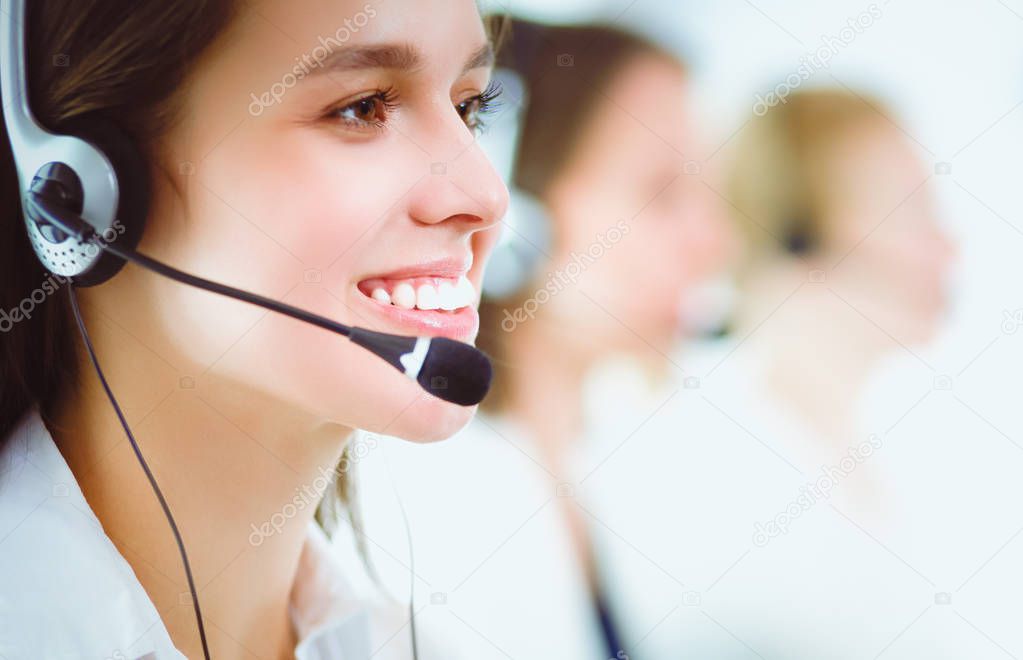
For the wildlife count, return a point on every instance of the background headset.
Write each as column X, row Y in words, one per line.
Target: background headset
column 526, row 241
column 85, row 198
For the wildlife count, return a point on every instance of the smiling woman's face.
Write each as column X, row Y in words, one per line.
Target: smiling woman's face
column 325, row 156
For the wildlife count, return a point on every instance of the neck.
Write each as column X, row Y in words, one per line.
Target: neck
column 241, row 475
column 817, row 354
column 545, row 397
column 549, row 406
column 824, row 394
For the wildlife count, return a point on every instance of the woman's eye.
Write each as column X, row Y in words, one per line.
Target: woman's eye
column 473, row 110
column 469, row 111
column 370, row 111
column 364, row 110
column 374, row 110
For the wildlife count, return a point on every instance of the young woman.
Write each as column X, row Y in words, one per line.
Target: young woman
column 605, row 143
column 321, row 153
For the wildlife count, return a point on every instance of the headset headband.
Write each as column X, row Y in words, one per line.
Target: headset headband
column 70, row 166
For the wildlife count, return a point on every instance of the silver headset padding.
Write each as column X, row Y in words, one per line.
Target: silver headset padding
column 34, row 148
column 525, row 239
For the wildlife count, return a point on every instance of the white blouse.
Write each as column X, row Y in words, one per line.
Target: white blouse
column 66, row 592
column 494, row 564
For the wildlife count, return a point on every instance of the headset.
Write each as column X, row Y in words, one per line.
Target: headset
column 85, row 197
column 525, row 245
column 522, row 248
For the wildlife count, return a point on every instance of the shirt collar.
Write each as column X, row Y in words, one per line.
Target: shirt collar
column 68, row 592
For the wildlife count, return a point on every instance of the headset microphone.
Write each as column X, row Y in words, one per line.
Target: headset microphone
column 448, row 369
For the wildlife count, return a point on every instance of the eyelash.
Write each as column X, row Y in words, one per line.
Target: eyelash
column 487, row 102
column 386, row 100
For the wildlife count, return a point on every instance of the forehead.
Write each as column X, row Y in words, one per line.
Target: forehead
column 283, row 42
column 645, row 109
column 301, row 25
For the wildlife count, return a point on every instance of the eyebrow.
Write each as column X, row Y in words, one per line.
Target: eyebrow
column 481, row 57
column 401, row 57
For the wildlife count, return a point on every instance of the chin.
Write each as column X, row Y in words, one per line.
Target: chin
column 430, row 420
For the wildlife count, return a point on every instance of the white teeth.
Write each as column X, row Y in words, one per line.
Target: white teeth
column 448, row 297
column 381, row 296
column 404, row 296
column 427, row 298
column 465, row 292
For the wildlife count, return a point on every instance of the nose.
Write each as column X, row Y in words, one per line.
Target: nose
column 463, row 187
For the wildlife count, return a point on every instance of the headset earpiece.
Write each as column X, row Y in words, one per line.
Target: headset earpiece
column 798, row 238
column 133, row 186
column 86, row 166
column 516, row 259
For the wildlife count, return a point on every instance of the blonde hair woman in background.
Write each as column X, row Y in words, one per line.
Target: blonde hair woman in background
column 774, row 469
column 827, row 190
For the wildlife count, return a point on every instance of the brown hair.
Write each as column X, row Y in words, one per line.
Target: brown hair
column 782, row 184
column 566, row 71
column 118, row 62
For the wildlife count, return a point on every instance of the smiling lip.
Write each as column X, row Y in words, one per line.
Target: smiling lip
column 446, row 268
column 460, row 324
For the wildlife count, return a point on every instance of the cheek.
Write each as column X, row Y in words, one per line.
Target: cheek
column 312, row 195
column 902, row 282
column 641, row 278
column 281, row 221
column 665, row 250
column 925, row 270
column 905, row 261
column 326, row 376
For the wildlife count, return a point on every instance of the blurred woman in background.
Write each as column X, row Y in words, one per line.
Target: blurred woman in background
column 623, row 233
column 832, row 201
column 776, row 475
